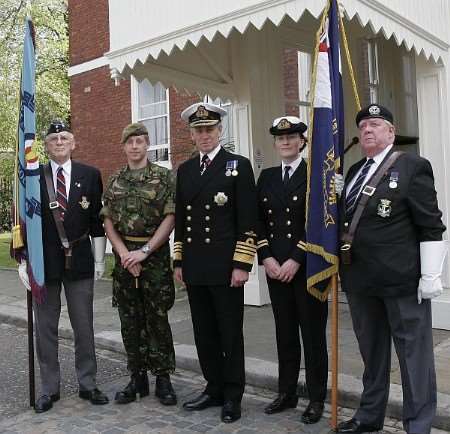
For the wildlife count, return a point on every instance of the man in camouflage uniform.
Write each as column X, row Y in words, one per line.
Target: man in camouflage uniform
column 138, row 215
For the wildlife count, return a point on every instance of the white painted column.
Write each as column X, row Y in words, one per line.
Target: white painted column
column 433, row 98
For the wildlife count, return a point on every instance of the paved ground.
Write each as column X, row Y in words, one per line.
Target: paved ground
column 260, row 347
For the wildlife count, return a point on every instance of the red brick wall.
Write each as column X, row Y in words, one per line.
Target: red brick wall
column 290, row 77
column 180, row 139
column 88, row 29
column 100, row 111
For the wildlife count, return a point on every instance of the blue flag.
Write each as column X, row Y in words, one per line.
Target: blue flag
column 28, row 194
column 325, row 159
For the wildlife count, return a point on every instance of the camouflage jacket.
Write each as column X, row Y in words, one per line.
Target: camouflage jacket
column 138, row 200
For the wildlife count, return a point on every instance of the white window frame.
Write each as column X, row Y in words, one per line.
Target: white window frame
column 304, row 72
column 373, row 70
column 135, row 118
column 208, row 99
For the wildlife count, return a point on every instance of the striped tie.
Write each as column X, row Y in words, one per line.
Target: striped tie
column 353, row 194
column 205, row 163
column 61, row 192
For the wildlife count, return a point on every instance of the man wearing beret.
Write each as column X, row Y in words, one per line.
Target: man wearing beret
column 139, row 216
column 392, row 266
column 71, row 200
column 215, row 245
column 281, row 249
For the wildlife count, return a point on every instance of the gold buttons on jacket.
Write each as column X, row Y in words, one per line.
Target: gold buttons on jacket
column 269, row 211
column 188, row 218
column 265, row 199
column 346, row 224
column 207, row 229
column 189, row 207
column 271, row 235
column 287, row 210
column 271, row 223
column 207, row 218
column 189, row 229
column 189, row 240
column 207, row 206
column 294, row 197
column 288, row 222
column 289, row 235
column 207, row 240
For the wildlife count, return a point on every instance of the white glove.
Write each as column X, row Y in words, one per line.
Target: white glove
column 98, row 250
column 23, row 274
column 99, row 270
column 338, row 183
column 432, row 256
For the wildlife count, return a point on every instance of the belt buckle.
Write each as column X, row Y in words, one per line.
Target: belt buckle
column 53, row 205
column 368, row 190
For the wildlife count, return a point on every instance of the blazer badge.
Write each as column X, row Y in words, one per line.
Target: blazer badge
column 84, row 202
column 384, row 208
column 221, row 198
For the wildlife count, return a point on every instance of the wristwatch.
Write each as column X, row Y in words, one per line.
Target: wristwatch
column 146, row 249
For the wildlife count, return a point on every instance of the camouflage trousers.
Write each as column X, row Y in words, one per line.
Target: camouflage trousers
column 145, row 328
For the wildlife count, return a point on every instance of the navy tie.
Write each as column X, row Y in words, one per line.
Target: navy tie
column 204, row 164
column 286, row 175
column 61, row 191
column 353, row 194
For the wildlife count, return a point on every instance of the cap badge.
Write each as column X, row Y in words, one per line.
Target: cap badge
column 374, row 110
column 202, row 112
column 284, row 124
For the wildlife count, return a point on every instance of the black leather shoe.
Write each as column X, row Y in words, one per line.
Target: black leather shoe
column 164, row 390
column 231, row 411
column 313, row 412
column 45, row 403
column 355, row 426
column 96, row 396
column 201, row 402
column 282, row 402
column 138, row 384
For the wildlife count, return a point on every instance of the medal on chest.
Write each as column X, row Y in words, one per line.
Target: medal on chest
column 393, row 180
column 231, row 168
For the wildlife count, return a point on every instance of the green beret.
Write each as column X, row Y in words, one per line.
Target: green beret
column 131, row 130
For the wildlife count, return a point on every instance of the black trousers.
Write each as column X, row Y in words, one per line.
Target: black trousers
column 217, row 316
column 292, row 307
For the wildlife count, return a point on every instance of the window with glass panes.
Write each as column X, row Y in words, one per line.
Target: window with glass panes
column 227, row 139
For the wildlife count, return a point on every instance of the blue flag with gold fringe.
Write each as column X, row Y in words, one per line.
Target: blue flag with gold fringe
column 325, row 158
column 28, row 220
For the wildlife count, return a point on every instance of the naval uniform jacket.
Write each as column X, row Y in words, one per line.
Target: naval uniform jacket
column 385, row 255
column 82, row 217
column 215, row 219
column 281, row 226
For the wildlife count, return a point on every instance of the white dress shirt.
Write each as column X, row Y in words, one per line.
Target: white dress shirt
column 211, row 154
column 293, row 166
column 377, row 159
column 67, row 172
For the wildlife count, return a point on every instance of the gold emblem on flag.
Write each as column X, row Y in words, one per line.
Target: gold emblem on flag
column 84, row 202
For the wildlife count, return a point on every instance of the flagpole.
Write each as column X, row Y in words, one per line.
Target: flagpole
column 334, row 351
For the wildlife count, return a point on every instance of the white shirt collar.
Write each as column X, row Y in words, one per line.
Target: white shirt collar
column 380, row 157
column 293, row 165
column 211, row 154
column 67, row 167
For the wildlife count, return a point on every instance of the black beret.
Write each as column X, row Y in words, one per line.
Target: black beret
column 287, row 125
column 374, row 111
column 57, row 126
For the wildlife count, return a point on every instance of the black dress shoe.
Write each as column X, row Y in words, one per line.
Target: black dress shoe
column 96, row 396
column 313, row 412
column 138, row 384
column 164, row 390
column 201, row 402
column 231, row 411
column 45, row 403
column 355, row 426
column 282, row 402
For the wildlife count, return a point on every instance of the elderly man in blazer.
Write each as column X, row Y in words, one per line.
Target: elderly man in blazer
column 390, row 271
column 71, row 201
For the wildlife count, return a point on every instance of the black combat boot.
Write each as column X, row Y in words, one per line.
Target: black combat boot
column 164, row 390
column 138, row 384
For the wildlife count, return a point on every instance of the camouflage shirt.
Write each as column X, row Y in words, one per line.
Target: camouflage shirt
column 138, row 200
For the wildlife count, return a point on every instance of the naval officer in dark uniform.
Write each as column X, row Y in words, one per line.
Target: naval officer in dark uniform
column 281, row 249
column 215, row 245
column 393, row 270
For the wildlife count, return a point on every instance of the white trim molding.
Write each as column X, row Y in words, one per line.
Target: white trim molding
column 88, row 66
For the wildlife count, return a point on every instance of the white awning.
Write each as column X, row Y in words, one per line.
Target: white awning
column 141, row 31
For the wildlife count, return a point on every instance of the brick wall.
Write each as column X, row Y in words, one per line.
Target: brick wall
column 88, row 30
column 290, row 77
column 100, row 111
